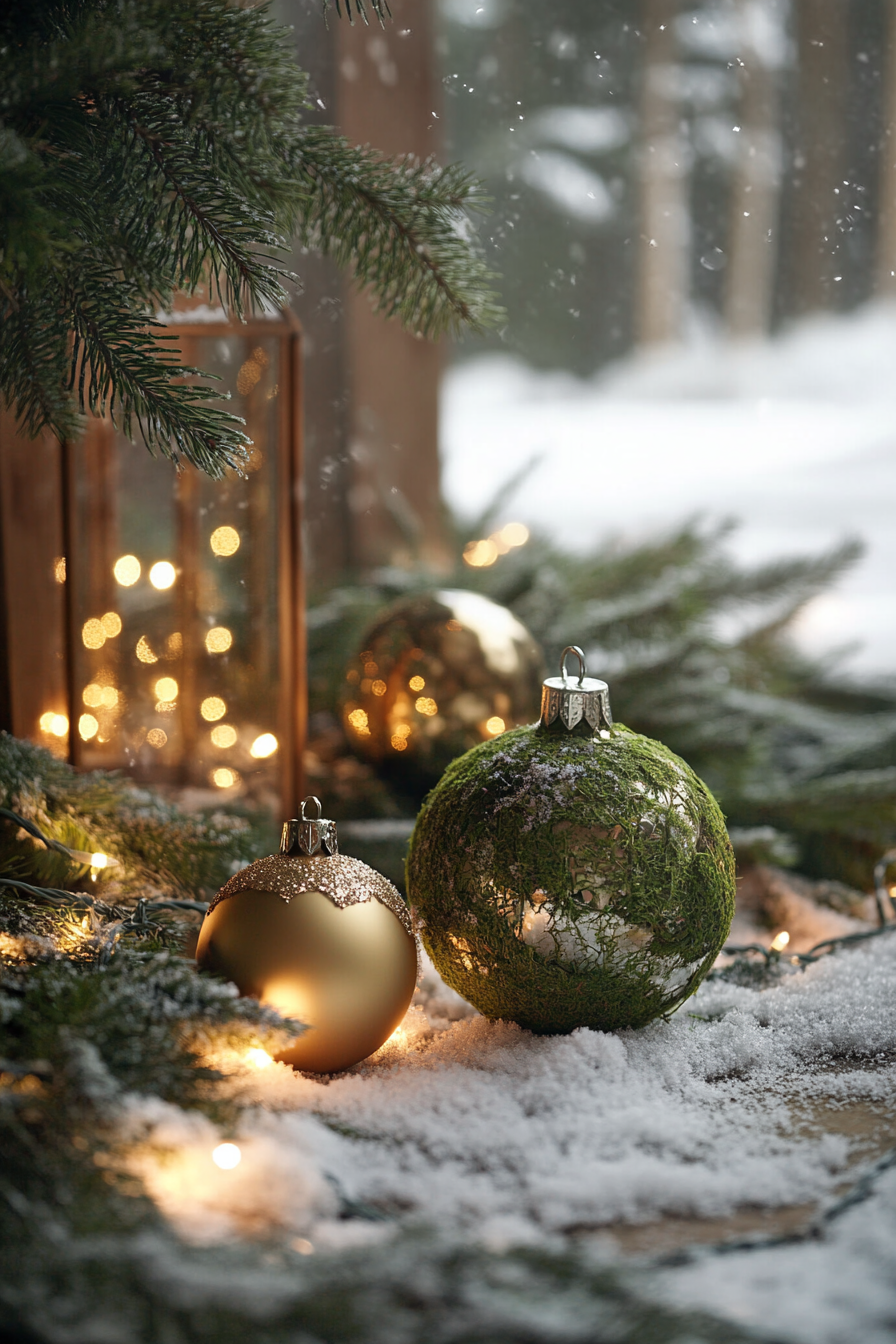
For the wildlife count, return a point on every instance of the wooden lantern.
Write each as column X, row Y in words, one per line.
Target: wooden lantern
column 154, row 619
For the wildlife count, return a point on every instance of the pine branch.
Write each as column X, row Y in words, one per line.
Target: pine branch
column 402, row 227
column 121, row 368
column 153, row 146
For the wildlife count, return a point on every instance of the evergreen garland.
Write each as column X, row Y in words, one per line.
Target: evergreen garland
column 152, row 146
column 699, row 653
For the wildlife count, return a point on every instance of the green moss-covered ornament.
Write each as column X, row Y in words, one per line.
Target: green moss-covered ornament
column 572, row 873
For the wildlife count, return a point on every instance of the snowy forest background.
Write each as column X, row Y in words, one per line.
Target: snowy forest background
column 695, row 221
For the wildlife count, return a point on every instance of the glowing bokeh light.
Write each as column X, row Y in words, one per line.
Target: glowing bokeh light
column 219, row 639
column 780, row 941
column 398, row 743
column 424, row 704
column 416, row 684
column 514, row 534
column 259, row 1058
column 92, row 695
column 156, row 737
column 227, row 1156
column 224, row 777
column 127, row 570
column 92, row 634
column 162, row 574
column 166, row 689
column 58, row 725
column 479, row 554
column 87, row 727
column 212, row 708
column 224, row 735
column 59, row 569
column 264, row 745
column 495, row 725
column 379, row 688
column 358, row 719
column 144, row 652
column 111, row 624
column 224, row 541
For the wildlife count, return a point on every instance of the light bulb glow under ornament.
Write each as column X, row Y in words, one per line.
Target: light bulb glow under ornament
column 319, row 936
column 572, row 873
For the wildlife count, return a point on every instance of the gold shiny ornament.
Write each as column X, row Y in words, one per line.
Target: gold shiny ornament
column 319, row 936
column 437, row 674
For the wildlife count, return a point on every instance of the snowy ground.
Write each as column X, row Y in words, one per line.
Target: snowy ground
column 500, row 1138
column 795, row 437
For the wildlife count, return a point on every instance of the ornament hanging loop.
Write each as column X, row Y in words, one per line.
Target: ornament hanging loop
column 306, row 836
column 581, row 707
column 580, row 654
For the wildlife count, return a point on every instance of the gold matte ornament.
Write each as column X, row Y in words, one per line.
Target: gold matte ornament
column 321, row 937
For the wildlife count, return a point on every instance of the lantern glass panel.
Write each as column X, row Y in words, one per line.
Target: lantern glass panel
column 178, row 666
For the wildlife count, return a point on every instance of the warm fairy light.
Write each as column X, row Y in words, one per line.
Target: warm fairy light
column 57, row 724
column 111, row 624
column 371, row 668
column 144, row 652
column 224, row 735
column 59, row 569
column 495, row 725
column 424, row 704
column 514, row 534
column 99, row 860
column 174, row 644
column 166, row 689
column 46, row 721
column 227, row 1156
column 260, row 1058
column 93, row 634
column 417, row 684
column 218, row 639
column 156, row 737
column 212, row 708
column 224, row 777
column 94, row 695
column 358, row 720
column 126, row 570
column 162, row 574
column 479, row 554
column 403, row 730
column 265, row 745
column 224, row 541
column 379, row 688
column 780, row 941
column 398, row 743
column 87, row 727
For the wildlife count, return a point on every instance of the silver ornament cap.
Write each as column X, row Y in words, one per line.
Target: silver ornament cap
column 309, row 835
column 569, row 702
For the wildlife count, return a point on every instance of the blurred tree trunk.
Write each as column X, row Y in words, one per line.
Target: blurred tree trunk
column 752, row 245
column 389, row 97
column 822, row 32
column 664, row 256
column 885, row 258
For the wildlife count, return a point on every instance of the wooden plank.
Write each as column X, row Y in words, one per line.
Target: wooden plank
column 388, row 96
column 31, row 528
